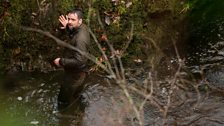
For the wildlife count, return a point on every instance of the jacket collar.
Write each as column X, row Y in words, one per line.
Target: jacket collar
column 73, row 31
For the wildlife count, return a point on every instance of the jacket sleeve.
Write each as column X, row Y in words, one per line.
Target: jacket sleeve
column 77, row 59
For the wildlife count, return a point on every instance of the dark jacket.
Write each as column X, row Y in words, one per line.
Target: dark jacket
column 73, row 60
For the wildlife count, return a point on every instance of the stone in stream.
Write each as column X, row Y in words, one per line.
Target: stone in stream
column 215, row 77
column 13, row 76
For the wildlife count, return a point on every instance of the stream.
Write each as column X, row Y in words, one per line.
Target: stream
column 32, row 100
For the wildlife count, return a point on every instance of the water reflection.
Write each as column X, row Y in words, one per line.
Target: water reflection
column 72, row 115
column 31, row 99
column 34, row 102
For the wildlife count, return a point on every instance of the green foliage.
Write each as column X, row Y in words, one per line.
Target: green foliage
column 103, row 5
column 116, row 16
column 65, row 5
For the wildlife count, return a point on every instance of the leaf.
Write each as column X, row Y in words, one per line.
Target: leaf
column 107, row 20
column 103, row 38
column 128, row 4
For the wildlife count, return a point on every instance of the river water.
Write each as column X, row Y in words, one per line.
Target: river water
column 32, row 100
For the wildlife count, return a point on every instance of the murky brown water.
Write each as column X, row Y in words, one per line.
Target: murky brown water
column 33, row 101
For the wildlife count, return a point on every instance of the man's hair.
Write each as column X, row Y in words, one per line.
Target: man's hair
column 78, row 12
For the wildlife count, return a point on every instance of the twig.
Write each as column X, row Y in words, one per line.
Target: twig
column 150, row 94
column 110, row 46
column 130, row 39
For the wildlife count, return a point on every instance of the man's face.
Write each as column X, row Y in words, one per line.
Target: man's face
column 73, row 21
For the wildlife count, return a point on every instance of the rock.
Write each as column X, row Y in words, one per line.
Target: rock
column 215, row 77
column 12, row 76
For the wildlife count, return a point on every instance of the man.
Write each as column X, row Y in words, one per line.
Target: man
column 72, row 61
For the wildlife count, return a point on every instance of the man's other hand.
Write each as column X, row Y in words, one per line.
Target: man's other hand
column 56, row 62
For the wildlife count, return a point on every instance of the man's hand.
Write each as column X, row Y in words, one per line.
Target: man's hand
column 56, row 62
column 63, row 20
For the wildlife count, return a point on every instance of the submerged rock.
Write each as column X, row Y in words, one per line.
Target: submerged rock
column 215, row 77
column 13, row 76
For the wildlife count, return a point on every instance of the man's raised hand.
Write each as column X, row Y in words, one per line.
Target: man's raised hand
column 63, row 20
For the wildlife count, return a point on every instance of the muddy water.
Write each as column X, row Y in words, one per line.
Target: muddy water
column 32, row 100
column 29, row 100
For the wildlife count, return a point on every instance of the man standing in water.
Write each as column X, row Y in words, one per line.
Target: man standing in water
column 72, row 61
